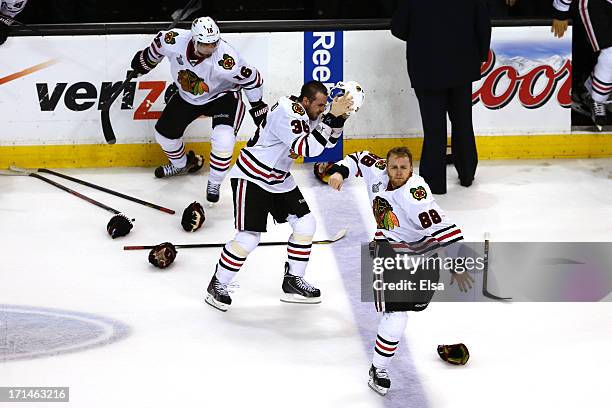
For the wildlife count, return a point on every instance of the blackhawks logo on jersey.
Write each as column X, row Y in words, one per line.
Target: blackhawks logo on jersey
column 418, row 193
column 191, row 83
column 169, row 37
column 227, row 62
column 383, row 214
column 381, row 164
column 297, row 108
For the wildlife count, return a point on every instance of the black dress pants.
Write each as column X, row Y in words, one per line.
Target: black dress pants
column 435, row 104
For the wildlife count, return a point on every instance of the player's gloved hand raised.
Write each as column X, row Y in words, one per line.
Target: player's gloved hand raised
column 140, row 63
column 259, row 111
column 4, row 31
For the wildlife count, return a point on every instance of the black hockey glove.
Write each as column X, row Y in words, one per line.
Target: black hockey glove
column 119, row 226
column 193, row 217
column 4, row 31
column 456, row 354
column 162, row 255
column 259, row 111
column 141, row 64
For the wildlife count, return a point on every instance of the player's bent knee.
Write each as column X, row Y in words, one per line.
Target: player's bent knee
column 393, row 324
column 223, row 140
column 303, row 227
column 245, row 242
column 166, row 143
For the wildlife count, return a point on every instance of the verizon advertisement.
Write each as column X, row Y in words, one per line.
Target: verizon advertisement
column 51, row 87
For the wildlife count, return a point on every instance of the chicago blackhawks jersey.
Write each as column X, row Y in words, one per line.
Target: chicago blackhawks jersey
column 200, row 81
column 287, row 134
column 408, row 217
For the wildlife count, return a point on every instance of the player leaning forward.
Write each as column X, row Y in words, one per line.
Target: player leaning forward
column 408, row 221
column 262, row 185
column 209, row 75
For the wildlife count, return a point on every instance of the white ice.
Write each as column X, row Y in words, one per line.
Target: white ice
column 181, row 352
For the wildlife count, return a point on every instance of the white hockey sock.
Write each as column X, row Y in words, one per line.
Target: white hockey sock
column 298, row 254
column 390, row 331
column 222, row 141
column 219, row 166
column 234, row 254
column 599, row 82
column 174, row 149
column 300, row 243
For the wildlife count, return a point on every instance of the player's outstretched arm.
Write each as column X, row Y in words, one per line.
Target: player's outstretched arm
column 147, row 59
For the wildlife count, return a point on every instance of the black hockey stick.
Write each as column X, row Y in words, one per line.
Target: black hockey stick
column 66, row 189
column 339, row 235
column 485, row 273
column 9, row 21
column 107, row 128
column 104, row 189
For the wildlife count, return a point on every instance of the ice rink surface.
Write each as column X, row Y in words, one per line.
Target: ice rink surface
column 157, row 344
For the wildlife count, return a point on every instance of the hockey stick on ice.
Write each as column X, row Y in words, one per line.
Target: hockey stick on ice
column 485, row 273
column 107, row 128
column 66, row 189
column 339, row 235
column 104, row 189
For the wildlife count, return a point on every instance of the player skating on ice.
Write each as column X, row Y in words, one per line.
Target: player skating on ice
column 210, row 75
column 408, row 221
column 262, row 185
column 596, row 16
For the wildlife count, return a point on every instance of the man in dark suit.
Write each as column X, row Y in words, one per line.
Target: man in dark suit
column 446, row 43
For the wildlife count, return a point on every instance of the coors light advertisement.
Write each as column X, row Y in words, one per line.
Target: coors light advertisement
column 526, row 87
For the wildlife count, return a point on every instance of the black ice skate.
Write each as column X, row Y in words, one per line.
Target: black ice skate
column 218, row 295
column 297, row 290
column 379, row 380
column 212, row 192
column 598, row 114
column 194, row 163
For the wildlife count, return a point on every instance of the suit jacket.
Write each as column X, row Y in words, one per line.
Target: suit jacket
column 446, row 40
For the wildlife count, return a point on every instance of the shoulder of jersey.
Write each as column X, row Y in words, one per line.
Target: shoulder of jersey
column 291, row 108
column 176, row 38
column 417, row 190
column 226, row 56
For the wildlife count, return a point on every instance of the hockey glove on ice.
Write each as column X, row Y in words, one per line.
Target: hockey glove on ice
column 193, row 217
column 456, row 354
column 119, row 226
column 162, row 255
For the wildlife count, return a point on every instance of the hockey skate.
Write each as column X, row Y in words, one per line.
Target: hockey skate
column 598, row 114
column 212, row 192
column 194, row 163
column 218, row 295
column 379, row 380
column 297, row 290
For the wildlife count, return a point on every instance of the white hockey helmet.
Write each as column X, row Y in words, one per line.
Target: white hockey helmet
column 351, row 87
column 204, row 30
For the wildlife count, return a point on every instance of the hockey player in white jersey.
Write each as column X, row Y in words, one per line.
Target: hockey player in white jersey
column 262, row 185
column 210, row 76
column 409, row 221
column 596, row 16
column 10, row 9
